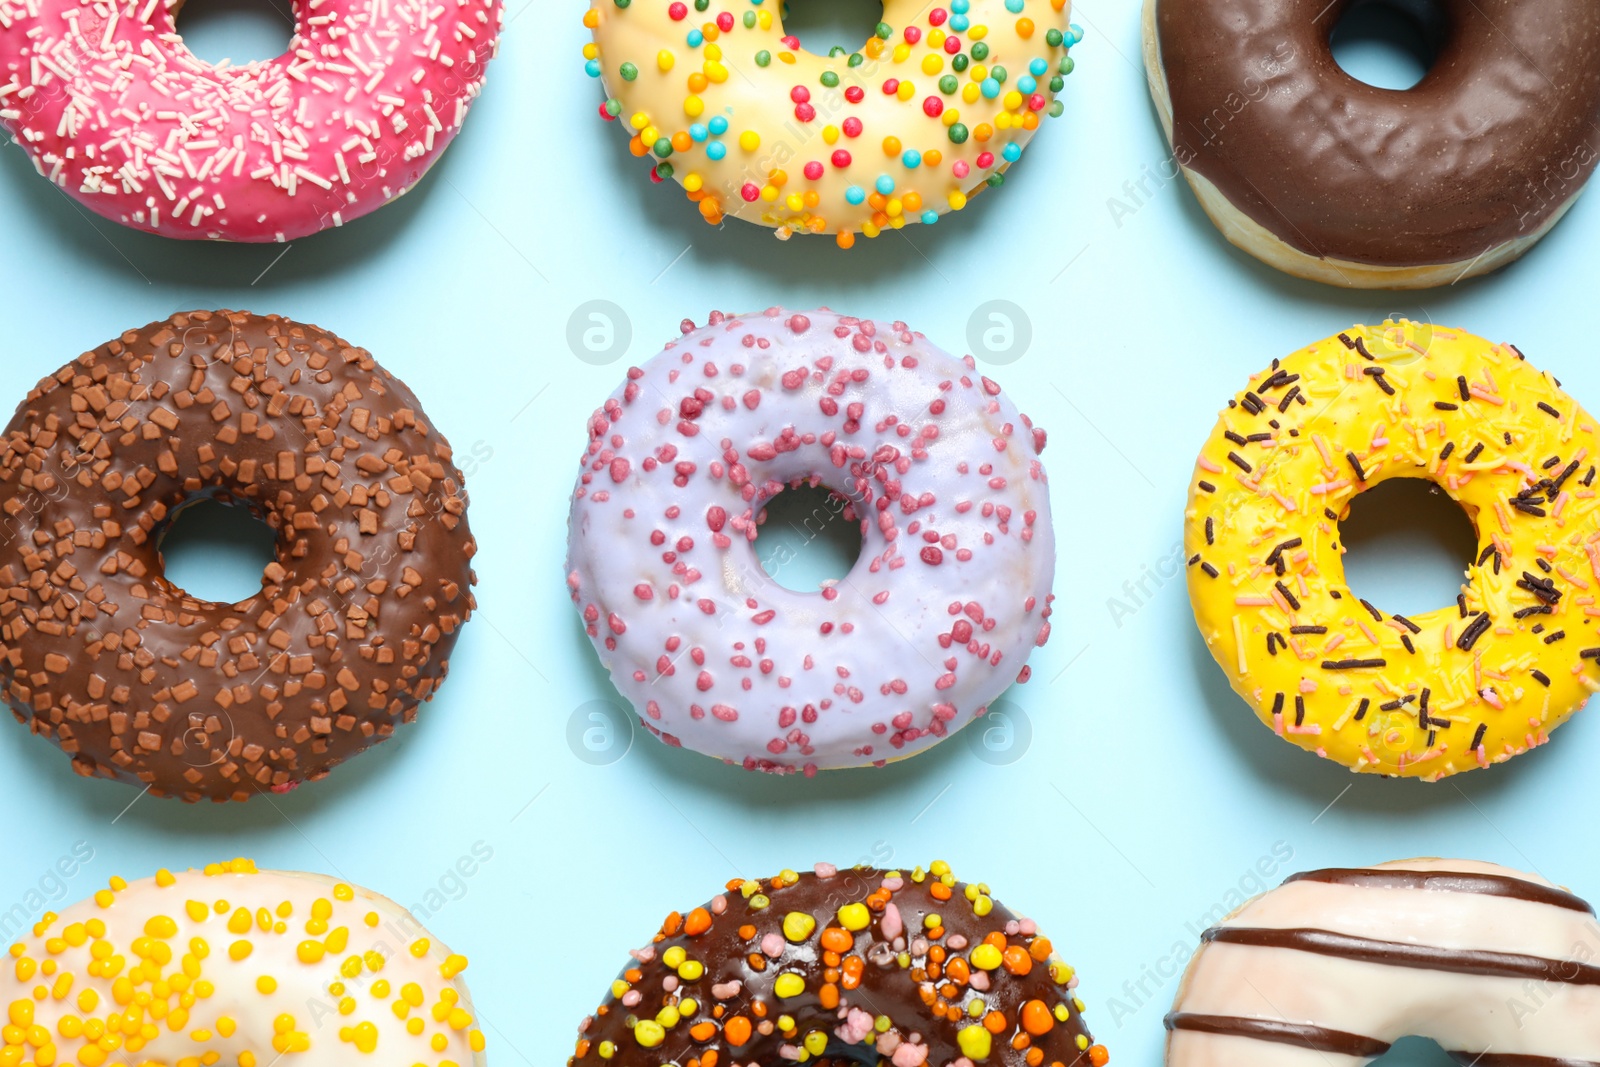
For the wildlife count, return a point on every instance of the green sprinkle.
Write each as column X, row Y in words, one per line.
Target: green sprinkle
column 629, row 72
column 830, row 79
column 1056, row 109
column 998, row 74
column 1056, row 83
column 949, row 84
column 665, row 171
column 763, row 58
column 1053, row 38
column 623, row 3
column 613, row 107
column 662, row 147
column 749, row 20
column 856, row 59
column 980, row 51
column 958, row 134
column 701, row 5
column 996, row 180
column 960, row 63
column 836, row 51
column 1067, row 65
column 884, row 30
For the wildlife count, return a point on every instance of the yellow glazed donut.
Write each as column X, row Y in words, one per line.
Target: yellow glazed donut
column 1475, row 683
column 235, row 966
column 922, row 118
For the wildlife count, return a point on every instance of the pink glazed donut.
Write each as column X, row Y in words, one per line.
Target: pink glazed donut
column 118, row 113
column 937, row 617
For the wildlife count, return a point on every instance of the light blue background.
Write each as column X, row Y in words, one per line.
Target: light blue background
column 1147, row 793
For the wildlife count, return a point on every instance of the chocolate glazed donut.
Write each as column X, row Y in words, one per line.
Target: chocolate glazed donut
column 138, row 681
column 909, row 969
column 1329, row 178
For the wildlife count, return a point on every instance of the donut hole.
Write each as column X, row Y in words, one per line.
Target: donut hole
column 236, row 32
column 826, row 26
column 216, row 552
column 1407, row 546
column 808, row 535
column 1390, row 44
column 1415, row 1052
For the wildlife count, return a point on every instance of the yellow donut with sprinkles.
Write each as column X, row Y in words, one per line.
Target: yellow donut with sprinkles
column 1475, row 683
column 924, row 116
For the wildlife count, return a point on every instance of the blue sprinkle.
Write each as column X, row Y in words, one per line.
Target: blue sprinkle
column 960, row 7
column 930, row 217
column 696, row 38
column 991, row 88
column 1014, row 6
column 1026, row 84
column 885, row 184
column 855, row 194
column 716, row 150
column 1074, row 32
column 959, row 23
column 1038, row 68
column 1012, row 152
column 912, row 159
column 719, row 126
column 592, row 68
column 698, row 133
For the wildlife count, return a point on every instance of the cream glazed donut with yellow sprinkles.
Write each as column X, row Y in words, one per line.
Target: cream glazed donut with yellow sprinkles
column 1428, row 696
column 235, row 966
column 924, row 116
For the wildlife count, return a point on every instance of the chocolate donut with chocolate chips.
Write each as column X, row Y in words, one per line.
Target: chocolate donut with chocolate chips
column 1329, row 178
column 833, row 967
column 357, row 614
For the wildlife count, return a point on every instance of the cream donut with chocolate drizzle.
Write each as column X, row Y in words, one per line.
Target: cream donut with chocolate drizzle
column 936, row 618
column 1332, row 967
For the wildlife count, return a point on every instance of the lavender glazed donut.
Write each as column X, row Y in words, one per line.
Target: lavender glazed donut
column 937, row 617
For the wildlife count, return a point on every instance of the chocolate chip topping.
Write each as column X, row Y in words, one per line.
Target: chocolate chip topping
column 357, row 614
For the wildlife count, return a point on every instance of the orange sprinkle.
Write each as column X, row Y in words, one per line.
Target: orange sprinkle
column 1017, row 961
column 1036, row 1018
column 737, row 1030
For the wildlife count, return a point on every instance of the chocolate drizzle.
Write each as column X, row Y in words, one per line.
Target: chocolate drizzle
column 1314, row 1038
column 1487, row 148
column 1448, row 882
